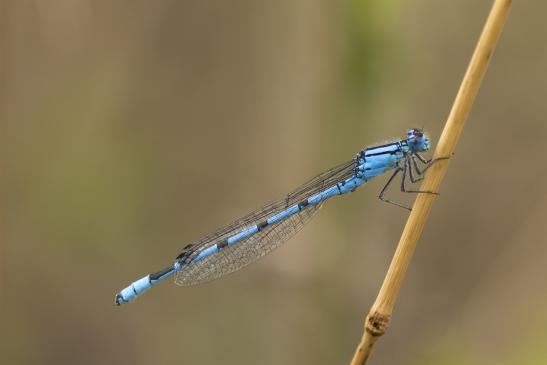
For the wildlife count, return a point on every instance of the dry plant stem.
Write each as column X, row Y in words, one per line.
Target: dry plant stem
column 380, row 313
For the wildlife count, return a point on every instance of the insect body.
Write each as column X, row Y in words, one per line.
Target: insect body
column 258, row 233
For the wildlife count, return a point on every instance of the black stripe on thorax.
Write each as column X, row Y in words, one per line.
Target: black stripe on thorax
column 397, row 146
column 382, row 153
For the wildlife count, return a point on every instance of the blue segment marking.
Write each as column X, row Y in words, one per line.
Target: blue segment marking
column 272, row 224
column 242, row 235
column 207, row 252
column 283, row 215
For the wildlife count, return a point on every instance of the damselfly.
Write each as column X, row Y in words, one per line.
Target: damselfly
column 258, row 233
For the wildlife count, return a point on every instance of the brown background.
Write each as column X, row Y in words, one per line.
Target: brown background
column 130, row 128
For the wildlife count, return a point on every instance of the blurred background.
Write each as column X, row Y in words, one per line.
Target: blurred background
column 131, row 128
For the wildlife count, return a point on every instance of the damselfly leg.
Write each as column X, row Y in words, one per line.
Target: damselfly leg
column 389, row 181
column 426, row 162
column 408, row 170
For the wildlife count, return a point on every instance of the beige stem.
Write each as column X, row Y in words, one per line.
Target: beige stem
column 380, row 314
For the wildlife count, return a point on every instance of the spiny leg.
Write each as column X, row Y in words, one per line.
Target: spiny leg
column 420, row 173
column 389, row 181
column 425, row 161
column 407, row 166
column 410, row 170
column 403, row 189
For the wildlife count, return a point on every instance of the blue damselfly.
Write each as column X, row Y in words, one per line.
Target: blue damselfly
column 258, row 233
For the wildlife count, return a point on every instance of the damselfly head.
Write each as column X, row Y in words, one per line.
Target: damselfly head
column 417, row 140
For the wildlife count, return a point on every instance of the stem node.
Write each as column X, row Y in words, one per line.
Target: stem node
column 377, row 323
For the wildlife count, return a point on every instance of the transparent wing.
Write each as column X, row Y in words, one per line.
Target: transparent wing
column 245, row 252
column 313, row 186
